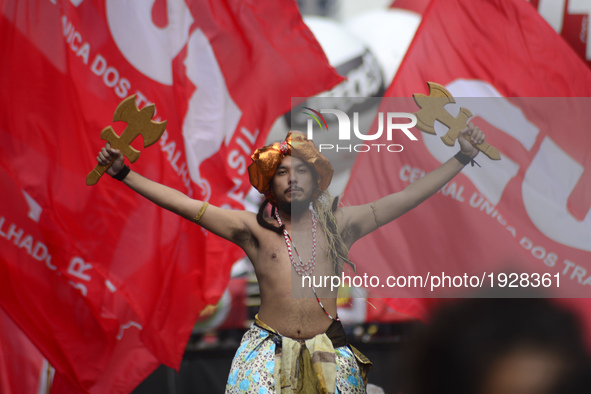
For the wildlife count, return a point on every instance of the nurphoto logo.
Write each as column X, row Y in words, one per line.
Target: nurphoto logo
column 391, row 119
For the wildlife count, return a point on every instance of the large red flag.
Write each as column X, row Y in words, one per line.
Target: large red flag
column 529, row 211
column 571, row 19
column 418, row 6
column 23, row 370
column 105, row 284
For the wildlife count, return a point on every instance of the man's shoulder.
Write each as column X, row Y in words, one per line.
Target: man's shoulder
column 252, row 222
column 249, row 218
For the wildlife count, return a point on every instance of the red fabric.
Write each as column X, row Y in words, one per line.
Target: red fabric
column 418, row 6
column 22, row 367
column 506, row 45
column 571, row 20
column 105, row 284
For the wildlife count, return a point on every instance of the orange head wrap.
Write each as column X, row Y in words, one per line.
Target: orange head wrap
column 265, row 161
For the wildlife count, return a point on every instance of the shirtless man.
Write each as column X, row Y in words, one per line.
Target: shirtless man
column 297, row 343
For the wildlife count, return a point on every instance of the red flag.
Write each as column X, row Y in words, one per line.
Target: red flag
column 570, row 19
column 418, row 6
column 531, row 208
column 23, row 370
column 105, row 284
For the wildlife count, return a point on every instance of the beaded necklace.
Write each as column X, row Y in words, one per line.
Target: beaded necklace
column 300, row 267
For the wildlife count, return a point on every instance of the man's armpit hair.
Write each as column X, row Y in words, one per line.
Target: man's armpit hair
column 350, row 233
column 243, row 236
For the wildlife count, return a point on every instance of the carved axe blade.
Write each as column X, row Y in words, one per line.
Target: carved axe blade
column 127, row 111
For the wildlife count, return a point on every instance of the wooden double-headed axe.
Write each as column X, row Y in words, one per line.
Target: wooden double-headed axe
column 432, row 109
column 139, row 122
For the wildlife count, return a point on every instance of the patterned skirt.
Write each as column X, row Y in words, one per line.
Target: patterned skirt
column 257, row 366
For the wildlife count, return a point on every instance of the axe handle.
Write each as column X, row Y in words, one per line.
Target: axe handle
column 93, row 176
column 489, row 151
column 485, row 147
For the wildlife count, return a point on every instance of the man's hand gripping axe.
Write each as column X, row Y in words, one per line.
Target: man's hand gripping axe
column 432, row 109
column 138, row 122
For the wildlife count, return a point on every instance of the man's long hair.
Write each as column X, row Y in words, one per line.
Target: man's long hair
column 337, row 249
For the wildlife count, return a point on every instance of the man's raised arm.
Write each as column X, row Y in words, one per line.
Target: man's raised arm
column 222, row 222
column 367, row 218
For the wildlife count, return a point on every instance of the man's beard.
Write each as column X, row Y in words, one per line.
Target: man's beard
column 293, row 208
